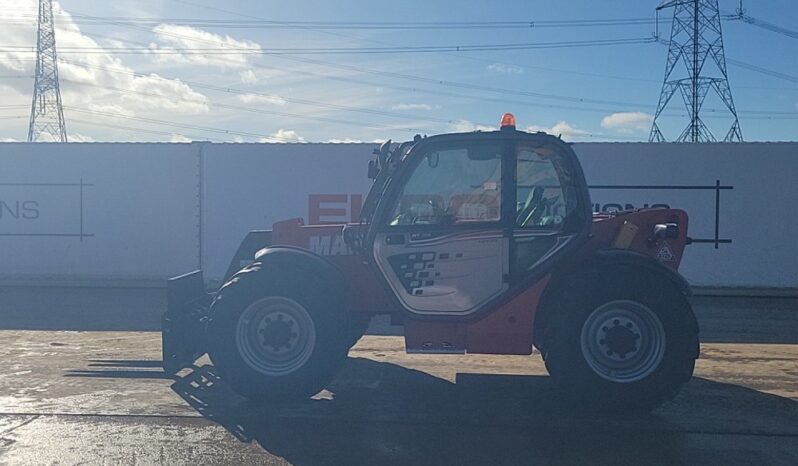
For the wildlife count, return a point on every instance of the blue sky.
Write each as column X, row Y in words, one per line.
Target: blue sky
column 585, row 93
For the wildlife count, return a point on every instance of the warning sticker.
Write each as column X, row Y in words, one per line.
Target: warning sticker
column 665, row 254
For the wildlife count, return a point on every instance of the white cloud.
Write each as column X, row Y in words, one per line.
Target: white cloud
column 261, row 99
column 174, row 37
column 110, row 108
column 283, row 135
column 412, row 107
column 628, row 122
column 561, row 128
column 171, row 95
column 504, row 68
column 8, row 140
column 85, row 77
column 179, row 138
column 77, row 137
column 465, row 126
column 345, row 141
column 248, row 77
column 18, row 32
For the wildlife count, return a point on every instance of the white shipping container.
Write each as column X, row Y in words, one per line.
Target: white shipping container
column 144, row 212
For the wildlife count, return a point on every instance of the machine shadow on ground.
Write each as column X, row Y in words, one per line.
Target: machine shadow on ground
column 383, row 413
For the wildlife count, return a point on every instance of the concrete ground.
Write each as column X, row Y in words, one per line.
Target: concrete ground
column 82, row 384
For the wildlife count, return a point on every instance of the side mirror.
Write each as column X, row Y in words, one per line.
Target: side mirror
column 352, row 236
column 382, row 154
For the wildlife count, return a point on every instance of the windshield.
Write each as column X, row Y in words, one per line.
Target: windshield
column 451, row 185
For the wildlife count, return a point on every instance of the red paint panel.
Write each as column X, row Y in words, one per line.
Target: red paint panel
column 508, row 329
column 364, row 290
column 606, row 228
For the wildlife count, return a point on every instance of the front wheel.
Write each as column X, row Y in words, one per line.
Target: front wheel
column 276, row 337
column 624, row 342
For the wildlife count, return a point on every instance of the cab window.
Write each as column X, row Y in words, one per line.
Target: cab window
column 452, row 186
column 544, row 190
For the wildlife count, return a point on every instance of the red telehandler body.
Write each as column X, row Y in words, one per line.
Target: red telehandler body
column 479, row 242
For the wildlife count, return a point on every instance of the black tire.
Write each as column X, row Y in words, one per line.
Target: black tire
column 656, row 369
column 317, row 363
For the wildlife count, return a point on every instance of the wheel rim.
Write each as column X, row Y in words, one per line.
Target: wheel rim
column 275, row 336
column 623, row 341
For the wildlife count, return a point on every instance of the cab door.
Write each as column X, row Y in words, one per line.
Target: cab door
column 550, row 214
column 444, row 245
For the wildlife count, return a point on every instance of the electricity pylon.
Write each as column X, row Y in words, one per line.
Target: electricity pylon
column 46, row 114
column 697, row 43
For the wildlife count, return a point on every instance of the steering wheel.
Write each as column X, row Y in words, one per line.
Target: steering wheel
column 439, row 216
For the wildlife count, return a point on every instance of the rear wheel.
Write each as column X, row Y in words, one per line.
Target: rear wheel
column 276, row 336
column 625, row 342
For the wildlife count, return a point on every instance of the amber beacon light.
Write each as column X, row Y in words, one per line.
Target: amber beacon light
column 508, row 122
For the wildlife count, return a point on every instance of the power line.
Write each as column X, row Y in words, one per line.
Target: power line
column 142, row 130
column 432, row 81
column 369, row 25
column 265, row 24
column 232, row 90
column 356, row 81
column 463, row 57
column 761, row 70
column 261, row 111
column 308, row 102
column 758, row 69
column 473, row 97
column 587, row 135
column 747, row 19
column 437, row 93
column 181, row 36
column 273, row 97
column 176, row 125
column 408, row 76
column 360, row 109
column 343, row 50
column 456, row 55
column 459, row 56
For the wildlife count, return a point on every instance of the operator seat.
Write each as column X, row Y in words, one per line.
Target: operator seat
column 533, row 200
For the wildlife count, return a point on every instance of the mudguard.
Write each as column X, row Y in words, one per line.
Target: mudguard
column 601, row 259
column 293, row 260
column 607, row 257
column 245, row 254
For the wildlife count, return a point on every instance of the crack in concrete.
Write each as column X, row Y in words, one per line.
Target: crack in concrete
column 21, row 424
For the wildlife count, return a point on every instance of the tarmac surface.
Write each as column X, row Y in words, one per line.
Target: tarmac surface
column 82, row 384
